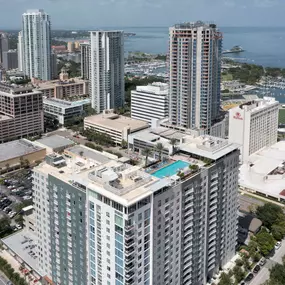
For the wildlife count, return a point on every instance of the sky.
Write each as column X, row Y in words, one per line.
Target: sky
column 88, row 14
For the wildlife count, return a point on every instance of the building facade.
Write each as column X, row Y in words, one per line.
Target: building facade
column 63, row 110
column 85, row 60
column 163, row 231
column 36, row 31
column 20, row 49
column 53, row 62
column 10, row 59
column 194, row 75
column 115, row 126
column 106, row 70
column 21, row 112
column 150, row 102
column 60, row 224
column 63, row 89
column 4, row 45
column 254, row 125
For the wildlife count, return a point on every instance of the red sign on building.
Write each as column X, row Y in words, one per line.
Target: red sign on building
column 238, row 116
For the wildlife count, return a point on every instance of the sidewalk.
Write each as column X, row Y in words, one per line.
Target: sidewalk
column 15, row 265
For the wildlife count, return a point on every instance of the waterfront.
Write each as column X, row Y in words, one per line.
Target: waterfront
column 263, row 46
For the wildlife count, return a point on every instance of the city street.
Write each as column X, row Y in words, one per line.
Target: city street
column 263, row 275
column 247, row 202
column 3, row 279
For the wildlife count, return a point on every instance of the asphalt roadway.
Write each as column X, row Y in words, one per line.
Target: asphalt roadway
column 246, row 203
column 3, row 279
column 263, row 274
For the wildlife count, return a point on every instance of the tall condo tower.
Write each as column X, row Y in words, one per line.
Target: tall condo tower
column 85, row 60
column 37, row 44
column 106, row 69
column 4, row 45
column 20, row 50
column 194, row 74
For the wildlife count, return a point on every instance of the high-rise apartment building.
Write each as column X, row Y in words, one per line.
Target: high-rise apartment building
column 10, row 59
column 20, row 49
column 85, row 60
column 106, row 69
column 21, row 112
column 113, row 223
column 71, row 46
column 37, row 44
column 53, row 62
column 60, row 223
column 254, row 125
column 150, row 102
column 4, row 45
column 194, row 75
column 148, row 230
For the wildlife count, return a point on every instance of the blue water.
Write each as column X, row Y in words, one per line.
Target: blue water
column 170, row 169
column 264, row 46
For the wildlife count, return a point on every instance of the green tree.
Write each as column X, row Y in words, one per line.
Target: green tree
column 239, row 273
column 239, row 262
column 124, row 144
column 225, row 279
column 159, row 149
column 173, row 143
column 252, row 248
column 270, row 214
column 7, row 165
column 277, row 274
column 21, row 162
column 278, row 231
column 147, row 152
column 194, row 167
column 265, row 242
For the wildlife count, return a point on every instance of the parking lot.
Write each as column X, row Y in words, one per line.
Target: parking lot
column 17, row 189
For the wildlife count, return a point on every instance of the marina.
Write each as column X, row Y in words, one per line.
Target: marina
column 148, row 68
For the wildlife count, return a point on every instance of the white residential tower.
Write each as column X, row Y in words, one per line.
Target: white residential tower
column 37, row 44
column 194, row 75
column 106, row 69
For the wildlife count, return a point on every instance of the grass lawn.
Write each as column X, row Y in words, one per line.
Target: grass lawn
column 227, row 77
column 281, row 119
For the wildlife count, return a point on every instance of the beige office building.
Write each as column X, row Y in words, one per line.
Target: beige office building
column 116, row 126
column 63, row 89
column 21, row 112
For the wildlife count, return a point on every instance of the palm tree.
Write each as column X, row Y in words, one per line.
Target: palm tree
column 173, row 142
column 21, row 162
column 159, row 149
column 147, row 152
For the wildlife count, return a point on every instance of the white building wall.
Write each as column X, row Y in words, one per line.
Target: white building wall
column 149, row 102
column 254, row 126
column 42, row 218
column 37, row 44
column 106, row 70
column 20, row 51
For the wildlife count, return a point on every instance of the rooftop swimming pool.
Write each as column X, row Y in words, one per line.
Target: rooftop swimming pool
column 171, row 169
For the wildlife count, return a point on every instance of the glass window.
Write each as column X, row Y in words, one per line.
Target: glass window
column 119, row 221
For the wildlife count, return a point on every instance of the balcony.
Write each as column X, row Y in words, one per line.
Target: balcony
column 129, row 275
column 129, row 259
column 129, row 242
column 130, row 266
column 129, row 251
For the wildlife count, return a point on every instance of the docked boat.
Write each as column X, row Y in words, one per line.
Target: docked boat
column 235, row 49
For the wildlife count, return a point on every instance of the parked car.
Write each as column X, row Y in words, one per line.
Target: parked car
column 262, row 261
column 249, row 277
column 277, row 245
column 18, row 226
column 256, row 269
